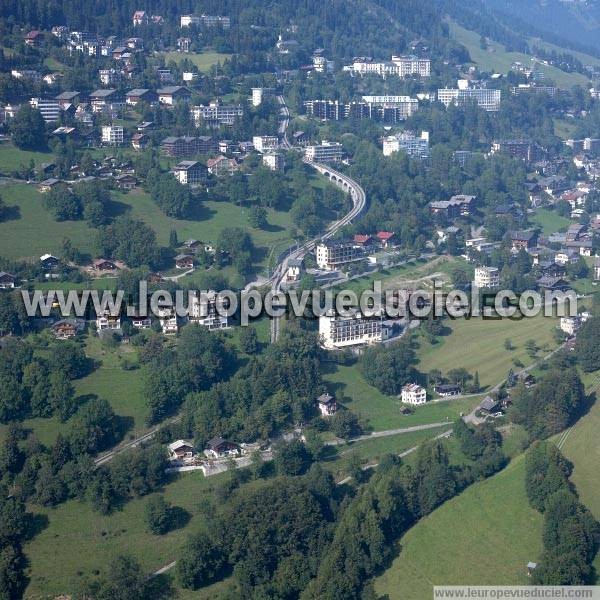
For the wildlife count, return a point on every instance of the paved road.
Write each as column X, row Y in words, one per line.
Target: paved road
column 387, row 433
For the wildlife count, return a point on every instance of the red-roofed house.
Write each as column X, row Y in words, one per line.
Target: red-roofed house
column 363, row 240
column 33, row 38
column 387, row 238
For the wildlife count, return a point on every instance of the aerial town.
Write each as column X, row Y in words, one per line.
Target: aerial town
column 424, row 155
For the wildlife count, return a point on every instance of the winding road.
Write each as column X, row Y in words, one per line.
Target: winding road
column 347, row 184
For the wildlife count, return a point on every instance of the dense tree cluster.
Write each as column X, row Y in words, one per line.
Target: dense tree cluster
column 28, row 129
column 390, row 367
column 201, row 359
column 551, row 405
column 129, row 240
column 571, row 534
column 89, row 201
column 36, row 382
column 587, row 347
column 272, row 392
column 173, row 198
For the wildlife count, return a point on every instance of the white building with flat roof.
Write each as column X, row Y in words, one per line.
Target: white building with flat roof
column 336, row 331
column 407, row 141
column 401, row 66
column 265, row 143
column 112, row 135
column 274, row 161
column 324, row 152
column 487, row 99
column 50, row 109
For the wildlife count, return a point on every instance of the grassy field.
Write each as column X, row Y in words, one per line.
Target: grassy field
column 549, row 220
column 410, row 274
column 215, row 217
column 123, row 389
column 35, row 232
column 582, row 447
column 383, row 412
column 484, row 536
column 478, row 345
column 203, row 61
column 13, row 159
column 497, row 59
column 93, row 539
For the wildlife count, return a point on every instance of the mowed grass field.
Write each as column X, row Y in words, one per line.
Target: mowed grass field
column 13, row 159
column 204, row 60
column 35, row 232
column 582, row 447
column 383, row 412
column 549, row 220
column 499, row 60
column 215, row 216
column 91, row 540
column 484, row 536
column 477, row 344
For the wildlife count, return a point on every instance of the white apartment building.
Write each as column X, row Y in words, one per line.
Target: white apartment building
column 399, row 65
column 486, row 277
column 331, row 255
column 107, row 322
column 414, row 394
column 407, row 141
column 324, row 152
column 570, row 325
column 216, row 114
column 205, row 21
column 336, row 331
column 405, row 105
column 168, row 319
column 108, row 76
column 274, row 161
column 265, row 143
column 189, row 172
column 203, row 310
column 486, row 98
column 113, row 135
column 259, row 94
column 50, row 109
column 322, row 65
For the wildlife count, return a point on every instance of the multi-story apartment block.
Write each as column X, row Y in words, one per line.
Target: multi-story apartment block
column 458, row 206
column 487, row 277
column 322, row 65
column 265, row 143
column 274, row 161
column 260, row 93
column 399, row 65
column 50, row 109
column 204, row 310
column 388, row 109
column 324, row 152
column 190, row 172
column 216, row 114
column 415, row 147
column 525, row 149
column 414, row 394
column 487, row 99
column 333, row 254
column 179, row 147
column 205, row 21
column 109, row 76
column 336, row 331
column 112, row 135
